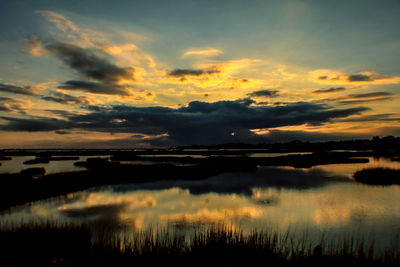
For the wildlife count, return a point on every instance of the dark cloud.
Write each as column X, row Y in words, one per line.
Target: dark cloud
column 88, row 64
column 95, row 87
column 4, row 104
column 330, row 90
column 360, row 78
column 62, row 98
column 8, row 88
column 369, row 95
column 103, row 76
column 375, row 117
column 9, row 104
column 190, row 72
column 197, row 123
column 366, row 98
column 36, row 124
column 365, row 77
column 64, row 113
column 362, row 101
column 263, row 93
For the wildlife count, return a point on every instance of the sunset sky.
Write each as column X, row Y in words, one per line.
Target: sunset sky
column 125, row 74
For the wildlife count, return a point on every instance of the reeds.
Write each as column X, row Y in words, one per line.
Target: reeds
column 52, row 244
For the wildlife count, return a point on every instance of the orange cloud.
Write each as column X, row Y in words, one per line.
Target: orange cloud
column 11, row 104
column 214, row 75
column 118, row 49
column 35, row 46
column 59, row 20
column 203, row 52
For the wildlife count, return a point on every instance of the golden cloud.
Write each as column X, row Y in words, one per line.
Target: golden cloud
column 35, row 46
column 203, row 52
column 118, row 49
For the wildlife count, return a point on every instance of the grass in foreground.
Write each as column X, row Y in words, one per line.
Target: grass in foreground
column 84, row 245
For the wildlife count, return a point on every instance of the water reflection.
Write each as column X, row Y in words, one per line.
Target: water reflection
column 349, row 169
column 17, row 164
column 319, row 199
column 244, row 182
column 344, row 206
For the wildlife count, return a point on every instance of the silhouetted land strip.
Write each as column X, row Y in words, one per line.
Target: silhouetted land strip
column 19, row 188
column 385, row 146
column 33, row 172
column 377, row 146
column 49, row 244
column 2, row 157
column 47, row 159
column 378, row 176
column 297, row 160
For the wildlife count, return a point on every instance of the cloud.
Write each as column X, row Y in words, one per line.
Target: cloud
column 35, row 46
column 370, row 95
column 82, row 36
column 366, row 98
column 330, row 90
column 97, row 88
column 10, row 104
column 203, row 52
column 118, row 49
column 333, row 77
column 90, row 65
column 9, row 88
column 36, row 124
column 59, row 20
column 368, row 118
column 191, row 72
column 215, row 76
column 63, row 113
column 196, row 123
column 62, row 98
column 125, row 51
column 361, row 101
column 86, row 37
column 263, row 93
column 104, row 76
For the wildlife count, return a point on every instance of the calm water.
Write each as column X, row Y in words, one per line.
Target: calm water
column 17, row 164
column 320, row 200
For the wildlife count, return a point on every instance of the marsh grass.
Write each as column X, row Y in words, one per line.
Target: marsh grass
column 55, row 244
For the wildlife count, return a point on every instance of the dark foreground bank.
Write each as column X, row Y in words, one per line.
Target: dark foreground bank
column 378, row 176
column 66, row 245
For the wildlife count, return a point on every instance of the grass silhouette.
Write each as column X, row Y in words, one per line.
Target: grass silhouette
column 55, row 244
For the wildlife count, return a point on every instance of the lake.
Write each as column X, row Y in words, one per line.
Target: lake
column 322, row 201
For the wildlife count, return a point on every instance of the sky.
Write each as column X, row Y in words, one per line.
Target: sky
column 142, row 74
